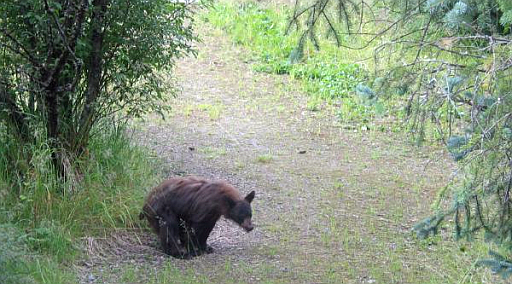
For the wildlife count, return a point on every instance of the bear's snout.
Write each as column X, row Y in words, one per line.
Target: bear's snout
column 247, row 225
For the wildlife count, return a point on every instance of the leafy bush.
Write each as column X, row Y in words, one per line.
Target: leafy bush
column 329, row 80
column 66, row 65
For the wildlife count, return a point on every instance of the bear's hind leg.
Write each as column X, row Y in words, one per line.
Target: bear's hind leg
column 188, row 238
column 169, row 237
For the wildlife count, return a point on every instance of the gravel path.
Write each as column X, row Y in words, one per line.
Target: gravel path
column 332, row 204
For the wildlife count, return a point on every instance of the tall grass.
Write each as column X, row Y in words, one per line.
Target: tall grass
column 43, row 216
column 34, row 256
column 259, row 30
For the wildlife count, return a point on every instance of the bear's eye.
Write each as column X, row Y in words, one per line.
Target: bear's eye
column 245, row 212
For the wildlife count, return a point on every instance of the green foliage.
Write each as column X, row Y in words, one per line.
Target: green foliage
column 457, row 146
column 506, row 18
column 52, row 239
column 467, row 97
column 329, row 80
column 498, row 264
column 365, row 92
column 21, row 264
column 262, row 32
column 428, row 226
column 477, row 124
column 331, row 15
column 66, row 65
column 471, row 16
column 451, row 58
column 101, row 191
column 70, row 73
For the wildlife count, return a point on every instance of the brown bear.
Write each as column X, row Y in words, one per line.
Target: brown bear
column 184, row 210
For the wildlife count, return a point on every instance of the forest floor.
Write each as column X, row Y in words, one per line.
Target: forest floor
column 334, row 204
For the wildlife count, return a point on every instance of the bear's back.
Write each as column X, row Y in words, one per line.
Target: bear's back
column 173, row 190
column 191, row 198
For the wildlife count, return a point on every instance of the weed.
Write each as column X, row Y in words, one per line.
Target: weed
column 265, row 159
column 213, row 111
column 169, row 273
column 130, row 274
column 313, row 105
column 376, row 155
column 212, row 152
column 187, row 110
column 328, row 80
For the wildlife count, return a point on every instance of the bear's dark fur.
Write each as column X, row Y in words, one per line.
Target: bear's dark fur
column 184, row 210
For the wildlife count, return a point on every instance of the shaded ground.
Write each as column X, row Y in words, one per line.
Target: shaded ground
column 332, row 204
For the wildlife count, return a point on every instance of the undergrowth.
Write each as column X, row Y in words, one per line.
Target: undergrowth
column 329, row 74
column 43, row 217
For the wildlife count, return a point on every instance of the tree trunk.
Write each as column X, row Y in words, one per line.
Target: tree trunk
column 95, row 68
column 52, row 125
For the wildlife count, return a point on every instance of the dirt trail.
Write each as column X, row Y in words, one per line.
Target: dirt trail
column 332, row 204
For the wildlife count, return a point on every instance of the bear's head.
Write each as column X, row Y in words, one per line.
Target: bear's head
column 240, row 211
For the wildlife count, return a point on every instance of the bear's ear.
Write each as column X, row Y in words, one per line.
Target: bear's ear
column 250, row 196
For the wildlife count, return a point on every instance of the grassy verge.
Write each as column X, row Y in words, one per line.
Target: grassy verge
column 329, row 75
column 43, row 217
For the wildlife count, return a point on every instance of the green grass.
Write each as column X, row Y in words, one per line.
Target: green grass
column 35, row 256
column 265, row 159
column 212, row 152
column 214, row 111
column 257, row 28
column 328, row 75
column 43, row 217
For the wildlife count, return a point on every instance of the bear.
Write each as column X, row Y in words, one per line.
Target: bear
column 183, row 211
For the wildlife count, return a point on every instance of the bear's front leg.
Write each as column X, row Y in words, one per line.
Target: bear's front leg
column 202, row 231
column 208, row 249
